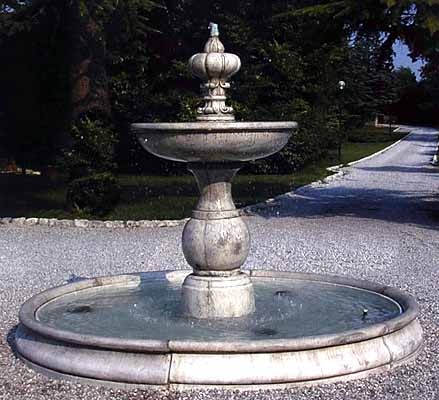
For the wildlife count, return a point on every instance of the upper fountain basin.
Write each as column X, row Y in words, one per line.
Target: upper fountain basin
column 214, row 141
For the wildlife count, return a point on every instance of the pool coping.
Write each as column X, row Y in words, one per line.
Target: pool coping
column 29, row 310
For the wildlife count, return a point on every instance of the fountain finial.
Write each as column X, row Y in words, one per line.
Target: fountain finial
column 214, row 67
column 214, row 31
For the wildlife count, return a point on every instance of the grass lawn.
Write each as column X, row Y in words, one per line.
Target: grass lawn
column 156, row 197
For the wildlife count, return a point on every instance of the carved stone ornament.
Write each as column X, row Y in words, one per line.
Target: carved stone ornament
column 214, row 67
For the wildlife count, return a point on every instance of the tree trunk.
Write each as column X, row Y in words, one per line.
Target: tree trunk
column 89, row 80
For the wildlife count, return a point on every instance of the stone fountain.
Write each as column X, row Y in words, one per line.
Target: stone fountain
column 216, row 325
column 216, row 240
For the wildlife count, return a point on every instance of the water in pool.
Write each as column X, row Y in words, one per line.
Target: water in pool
column 285, row 308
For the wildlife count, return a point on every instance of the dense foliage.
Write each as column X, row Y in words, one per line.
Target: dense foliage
column 95, row 194
column 92, row 149
column 76, row 73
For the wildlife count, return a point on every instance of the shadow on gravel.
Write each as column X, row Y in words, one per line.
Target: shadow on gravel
column 422, row 137
column 422, row 169
column 386, row 205
column 405, row 206
column 10, row 339
column 76, row 278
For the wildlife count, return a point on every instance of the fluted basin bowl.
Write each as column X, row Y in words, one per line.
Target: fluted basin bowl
column 214, row 141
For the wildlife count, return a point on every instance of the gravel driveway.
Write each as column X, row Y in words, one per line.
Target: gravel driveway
column 378, row 221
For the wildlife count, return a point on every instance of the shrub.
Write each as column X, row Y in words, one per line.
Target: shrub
column 95, row 194
column 316, row 134
column 93, row 149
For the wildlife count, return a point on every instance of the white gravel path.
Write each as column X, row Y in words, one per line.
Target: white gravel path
column 379, row 221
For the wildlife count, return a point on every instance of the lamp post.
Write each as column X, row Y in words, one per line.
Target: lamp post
column 390, row 124
column 341, row 87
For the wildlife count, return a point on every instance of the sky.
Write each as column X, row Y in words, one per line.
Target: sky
column 402, row 59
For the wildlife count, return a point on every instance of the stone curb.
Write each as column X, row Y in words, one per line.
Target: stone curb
column 246, row 211
column 381, row 151
column 84, row 223
column 336, row 168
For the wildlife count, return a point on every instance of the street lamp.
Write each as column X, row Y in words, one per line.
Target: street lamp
column 341, row 87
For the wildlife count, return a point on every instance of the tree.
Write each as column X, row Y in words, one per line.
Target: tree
column 91, row 156
column 370, row 80
column 405, row 80
column 409, row 94
column 418, row 102
column 34, row 80
column 125, row 62
column 414, row 21
column 429, row 107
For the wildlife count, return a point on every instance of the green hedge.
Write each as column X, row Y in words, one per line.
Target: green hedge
column 95, row 194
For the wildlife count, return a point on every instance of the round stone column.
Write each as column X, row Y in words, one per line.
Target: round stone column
column 216, row 243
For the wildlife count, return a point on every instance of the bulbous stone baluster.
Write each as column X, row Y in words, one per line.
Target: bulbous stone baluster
column 216, row 243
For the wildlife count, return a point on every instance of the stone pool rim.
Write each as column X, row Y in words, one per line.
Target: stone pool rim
column 27, row 317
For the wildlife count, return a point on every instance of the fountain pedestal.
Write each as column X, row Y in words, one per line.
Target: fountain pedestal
column 216, row 242
column 213, row 297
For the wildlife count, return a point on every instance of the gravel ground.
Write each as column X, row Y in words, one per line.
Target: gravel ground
column 378, row 221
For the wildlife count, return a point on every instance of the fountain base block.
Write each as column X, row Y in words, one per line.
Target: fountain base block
column 128, row 331
column 218, row 297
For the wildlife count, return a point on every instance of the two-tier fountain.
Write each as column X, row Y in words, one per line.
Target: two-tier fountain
column 216, row 325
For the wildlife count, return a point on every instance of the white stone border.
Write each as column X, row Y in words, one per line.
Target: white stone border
column 246, row 211
column 85, row 223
